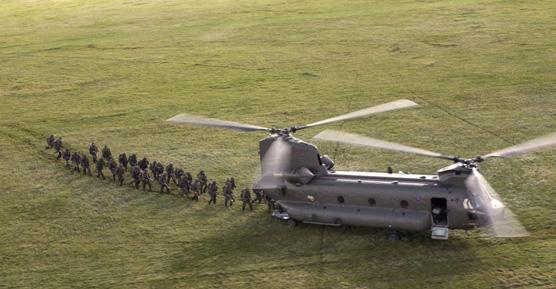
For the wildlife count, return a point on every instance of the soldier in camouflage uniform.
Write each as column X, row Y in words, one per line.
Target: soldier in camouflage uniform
column 100, row 166
column 202, row 178
column 228, row 194
column 122, row 158
column 76, row 159
column 196, row 189
column 146, row 179
column 170, row 173
column 136, row 176
column 159, row 168
column 112, row 166
column 93, row 150
column 120, row 173
column 185, row 187
column 67, row 156
column 233, row 183
column 269, row 203
column 132, row 160
column 143, row 164
column 152, row 167
column 163, row 183
column 58, row 147
column 50, row 141
column 258, row 196
column 213, row 192
column 106, row 153
column 85, row 165
column 179, row 175
column 246, row 199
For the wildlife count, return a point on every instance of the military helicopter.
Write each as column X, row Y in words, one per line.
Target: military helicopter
column 305, row 188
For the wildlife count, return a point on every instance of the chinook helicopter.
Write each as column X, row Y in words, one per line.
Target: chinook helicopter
column 305, row 188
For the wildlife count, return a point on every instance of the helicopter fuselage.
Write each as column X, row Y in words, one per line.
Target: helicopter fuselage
column 310, row 192
column 396, row 201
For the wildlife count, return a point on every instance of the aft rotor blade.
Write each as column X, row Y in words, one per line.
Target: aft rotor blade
column 492, row 213
column 395, row 105
column 274, row 164
column 524, row 148
column 212, row 122
column 354, row 139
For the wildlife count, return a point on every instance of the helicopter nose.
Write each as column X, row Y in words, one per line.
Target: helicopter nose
column 496, row 204
column 496, row 207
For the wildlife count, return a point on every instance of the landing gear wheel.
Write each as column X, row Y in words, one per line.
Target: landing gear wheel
column 292, row 223
column 395, row 236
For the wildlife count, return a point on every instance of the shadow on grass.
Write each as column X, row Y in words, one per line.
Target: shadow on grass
column 262, row 245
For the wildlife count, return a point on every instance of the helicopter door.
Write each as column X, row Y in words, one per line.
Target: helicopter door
column 439, row 216
column 439, row 212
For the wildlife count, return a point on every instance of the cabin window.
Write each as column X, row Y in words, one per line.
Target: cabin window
column 404, row 204
column 372, row 202
column 341, row 199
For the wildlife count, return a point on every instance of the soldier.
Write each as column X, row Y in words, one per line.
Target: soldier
column 106, row 153
column 202, row 177
column 213, row 192
column 122, row 158
column 50, row 141
column 120, row 173
column 233, row 183
column 185, row 186
column 100, row 166
column 58, row 147
column 246, row 199
column 228, row 194
column 179, row 175
column 136, row 176
column 159, row 168
column 170, row 173
column 163, row 183
column 258, row 196
column 196, row 188
column 132, row 160
column 67, row 156
column 143, row 164
column 85, row 165
column 93, row 150
column 76, row 159
column 152, row 167
column 112, row 166
column 269, row 203
column 146, row 179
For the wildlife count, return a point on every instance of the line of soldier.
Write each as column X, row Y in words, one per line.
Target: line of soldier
column 139, row 172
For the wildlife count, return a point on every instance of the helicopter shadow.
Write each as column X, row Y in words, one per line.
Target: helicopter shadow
column 262, row 245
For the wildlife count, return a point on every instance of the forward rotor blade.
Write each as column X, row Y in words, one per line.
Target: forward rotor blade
column 212, row 122
column 399, row 104
column 274, row 164
column 524, row 148
column 353, row 139
column 493, row 214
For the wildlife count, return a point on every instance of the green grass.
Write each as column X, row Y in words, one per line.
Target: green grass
column 484, row 73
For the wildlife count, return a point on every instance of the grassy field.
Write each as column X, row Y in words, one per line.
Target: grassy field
column 483, row 72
